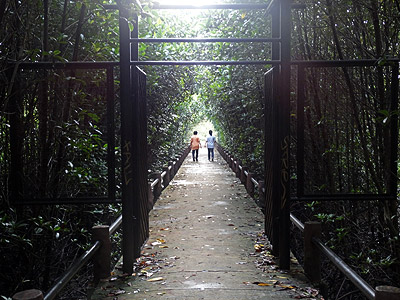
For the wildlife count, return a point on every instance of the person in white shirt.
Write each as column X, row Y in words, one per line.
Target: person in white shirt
column 210, row 146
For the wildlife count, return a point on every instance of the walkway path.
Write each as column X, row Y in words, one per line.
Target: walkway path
column 206, row 243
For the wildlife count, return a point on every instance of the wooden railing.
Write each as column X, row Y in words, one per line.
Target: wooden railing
column 245, row 176
column 100, row 250
column 313, row 246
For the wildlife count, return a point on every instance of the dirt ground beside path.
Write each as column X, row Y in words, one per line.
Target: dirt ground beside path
column 206, row 242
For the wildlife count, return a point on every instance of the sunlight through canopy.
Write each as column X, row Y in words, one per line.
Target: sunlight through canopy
column 188, row 2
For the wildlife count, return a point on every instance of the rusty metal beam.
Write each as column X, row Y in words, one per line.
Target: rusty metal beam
column 205, row 40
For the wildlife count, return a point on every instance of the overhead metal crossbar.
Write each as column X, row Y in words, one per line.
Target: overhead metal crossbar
column 204, row 62
column 135, row 40
column 247, row 6
column 205, row 40
column 233, row 6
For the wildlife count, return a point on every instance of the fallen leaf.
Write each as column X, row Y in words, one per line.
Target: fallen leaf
column 273, row 281
column 116, row 293
column 285, row 287
column 155, row 279
column 258, row 247
column 261, row 283
column 264, row 284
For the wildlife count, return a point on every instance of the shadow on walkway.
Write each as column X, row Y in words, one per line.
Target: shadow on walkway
column 206, row 242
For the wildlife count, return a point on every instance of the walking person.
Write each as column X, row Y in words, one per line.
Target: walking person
column 210, row 145
column 195, row 145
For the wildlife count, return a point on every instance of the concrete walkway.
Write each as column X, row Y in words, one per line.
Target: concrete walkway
column 206, row 243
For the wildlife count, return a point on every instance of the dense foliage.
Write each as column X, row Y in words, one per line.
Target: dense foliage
column 347, row 130
column 63, row 129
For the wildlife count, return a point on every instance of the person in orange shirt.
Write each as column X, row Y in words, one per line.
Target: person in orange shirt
column 195, row 145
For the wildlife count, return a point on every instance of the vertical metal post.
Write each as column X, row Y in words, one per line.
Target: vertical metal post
column 138, row 94
column 111, row 134
column 394, row 131
column 276, row 55
column 300, row 130
column 284, row 134
column 135, row 132
column 142, row 176
column 128, row 224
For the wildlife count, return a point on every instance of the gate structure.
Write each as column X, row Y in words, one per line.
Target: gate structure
column 135, row 225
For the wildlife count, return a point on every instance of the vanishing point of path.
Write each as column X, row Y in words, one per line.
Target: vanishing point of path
column 206, row 243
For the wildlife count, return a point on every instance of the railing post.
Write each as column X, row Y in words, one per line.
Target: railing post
column 158, row 186
column 243, row 175
column 249, row 184
column 312, row 255
column 233, row 163
column 384, row 292
column 167, row 176
column 28, row 295
column 238, row 165
column 102, row 258
column 171, row 166
column 261, row 194
column 150, row 197
column 187, row 151
column 177, row 165
column 180, row 160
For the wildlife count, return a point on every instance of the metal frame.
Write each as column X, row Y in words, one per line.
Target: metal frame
column 16, row 196
column 392, row 193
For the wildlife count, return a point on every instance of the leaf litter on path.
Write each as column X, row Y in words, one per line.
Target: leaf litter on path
column 266, row 262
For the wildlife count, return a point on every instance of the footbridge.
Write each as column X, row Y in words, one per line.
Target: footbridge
column 194, row 231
